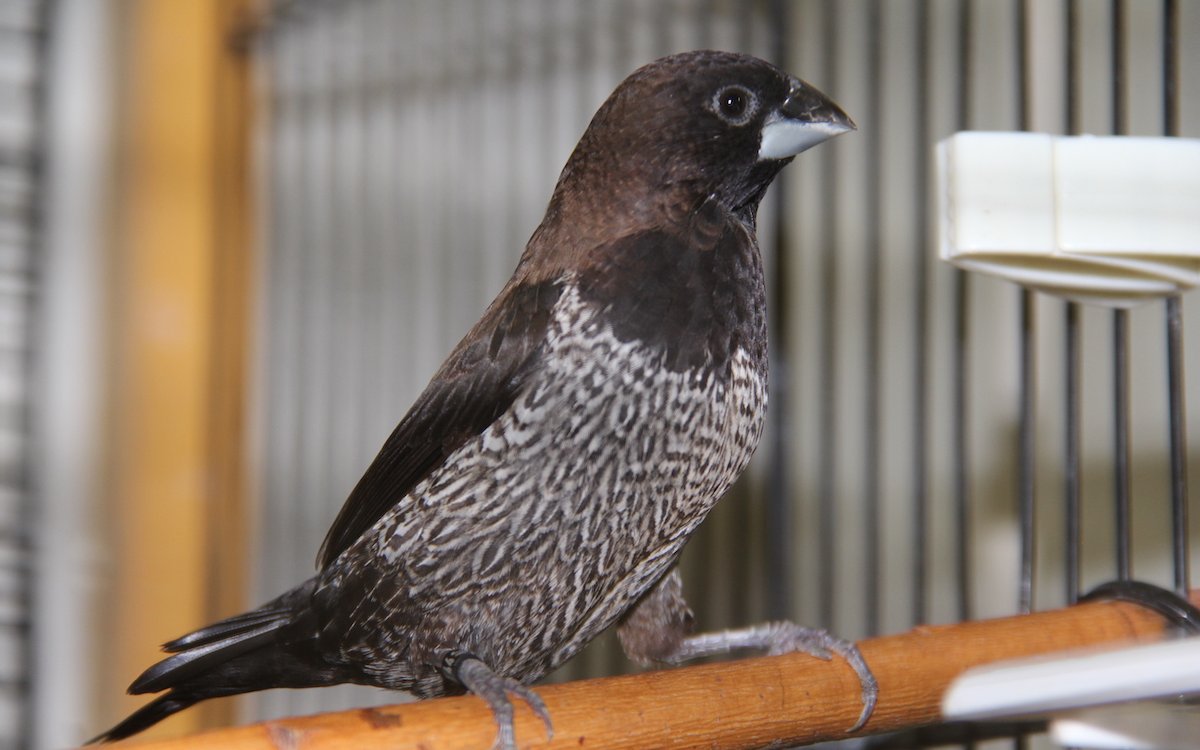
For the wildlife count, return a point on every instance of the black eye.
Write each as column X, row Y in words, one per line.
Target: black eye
column 734, row 104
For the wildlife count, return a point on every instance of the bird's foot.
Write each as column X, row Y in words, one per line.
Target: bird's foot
column 494, row 689
column 785, row 637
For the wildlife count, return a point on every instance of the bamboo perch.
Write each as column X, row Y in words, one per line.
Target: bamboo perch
column 780, row 701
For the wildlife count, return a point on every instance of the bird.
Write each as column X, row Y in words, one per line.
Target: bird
column 543, row 485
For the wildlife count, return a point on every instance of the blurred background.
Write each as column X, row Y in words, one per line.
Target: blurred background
column 238, row 236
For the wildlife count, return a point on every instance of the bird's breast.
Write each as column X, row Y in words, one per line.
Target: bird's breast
column 609, row 461
column 533, row 537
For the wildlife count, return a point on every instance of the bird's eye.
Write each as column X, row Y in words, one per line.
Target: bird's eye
column 735, row 105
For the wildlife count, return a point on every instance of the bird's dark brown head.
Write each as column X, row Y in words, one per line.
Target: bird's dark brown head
column 693, row 126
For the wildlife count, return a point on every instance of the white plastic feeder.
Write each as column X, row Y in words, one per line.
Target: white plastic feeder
column 1107, row 220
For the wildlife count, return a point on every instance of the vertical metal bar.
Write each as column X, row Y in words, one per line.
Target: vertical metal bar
column 382, row 196
column 78, row 87
column 1120, row 336
column 1071, row 63
column 24, row 481
column 510, row 119
column 351, row 284
column 660, row 24
column 1025, row 452
column 1170, row 67
column 962, row 496
column 920, row 488
column 961, row 293
column 283, row 122
column 1174, row 318
column 745, row 29
column 706, row 12
column 1026, row 447
column 1120, row 328
column 585, row 35
column 1073, row 431
column 827, row 451
column 1028, row 383
column 1178, row 447
column 291, row 119
column 1072, row 333
column 1117, row 40
column 319, row 306
column 428, row 305
column 779, row 540
column 873, row 339
column 1021, row 32
column 283, row 374
column 623, row 44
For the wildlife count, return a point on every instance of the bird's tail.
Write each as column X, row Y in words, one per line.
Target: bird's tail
column 273, row 646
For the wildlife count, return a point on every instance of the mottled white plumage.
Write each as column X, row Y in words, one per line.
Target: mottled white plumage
column 602, row 422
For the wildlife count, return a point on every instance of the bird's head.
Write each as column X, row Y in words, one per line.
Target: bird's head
column 698, row 125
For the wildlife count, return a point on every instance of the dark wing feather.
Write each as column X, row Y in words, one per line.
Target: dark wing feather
column 476, row 384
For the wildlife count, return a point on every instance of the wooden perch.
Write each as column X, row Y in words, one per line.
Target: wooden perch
column 783, row 700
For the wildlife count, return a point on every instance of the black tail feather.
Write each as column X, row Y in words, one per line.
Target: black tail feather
column 149, row 715
column 223, row 629
column 274, row 646
column 208, row 655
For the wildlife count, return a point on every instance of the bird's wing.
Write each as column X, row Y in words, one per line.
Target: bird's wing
column 476, row 384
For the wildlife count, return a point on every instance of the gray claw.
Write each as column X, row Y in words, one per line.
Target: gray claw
column 823, row 645
column 494, row 689
column 870, row 687
column 535, row 702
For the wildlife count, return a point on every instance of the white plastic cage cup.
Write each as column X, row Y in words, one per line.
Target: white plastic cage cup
column 1109, row 220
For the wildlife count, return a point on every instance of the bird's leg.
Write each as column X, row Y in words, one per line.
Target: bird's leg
column 782, row 637
column 658, row 628
column 472, row 673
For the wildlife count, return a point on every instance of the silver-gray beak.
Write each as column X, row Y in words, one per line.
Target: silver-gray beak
column 805, row 119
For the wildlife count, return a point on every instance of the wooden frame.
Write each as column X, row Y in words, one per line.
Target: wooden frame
column 180, row 285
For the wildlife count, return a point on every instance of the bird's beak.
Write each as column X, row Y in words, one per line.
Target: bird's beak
column 807, row 118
